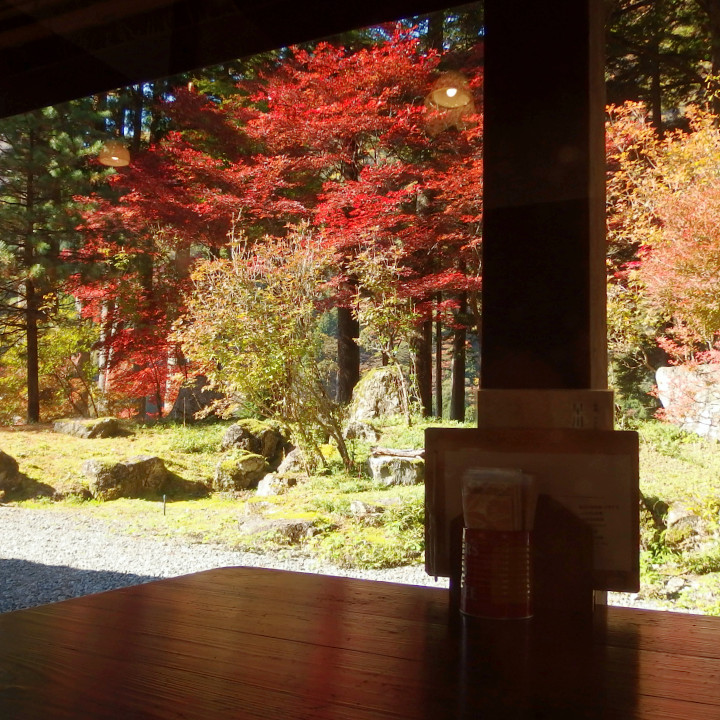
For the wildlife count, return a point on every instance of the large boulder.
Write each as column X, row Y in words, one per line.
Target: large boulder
column 358, row 430
column 138, row 476
column 260, row 520
column 364, row 511
column 275, row 484
column 192, row 398
column 284, row 530
column 293, row 462
column 146, row 472
column 10, row 477
column 105, row 478
column 690, row 397
column 392, row 470
column 258, row 437
column 377, row 394
column 94, row 428
column 239, row 469
column 686, row 530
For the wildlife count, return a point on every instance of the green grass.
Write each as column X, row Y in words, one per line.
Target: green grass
column 56, row 460
column 394, row 536
column 396, row 434
column 674, row 466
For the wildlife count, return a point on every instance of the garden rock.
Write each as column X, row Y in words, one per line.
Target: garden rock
column 292, row 463
column 94, row 428
column 239, row 470
column 358, row 430
column 678, row 513
column 256, row 436
column 390, row 470
column 10, row 476
column 291, row 531
column 192, row 398
column 376, row 395
column 691, row 397
column 259, row 508
column 146, row 472
column 362, row 509
column 78, row 491
column 685, row 529
column 135, row 477
column 674, row 585
column 273, row 484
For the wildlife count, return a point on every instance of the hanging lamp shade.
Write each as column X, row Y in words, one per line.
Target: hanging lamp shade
column 449, row 104
column 451, row 90
column 114, row 154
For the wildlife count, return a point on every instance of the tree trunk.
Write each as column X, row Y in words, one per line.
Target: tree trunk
column 159, row 403
column 457, row 399
column 348, row 326
column 174, row 360
column 107, row 330
column 32, row 302
column 436, row 30
column 712, row 10
column 438, row 362
column 33, row 362
column 100, row 104
column 120, row 116
column 84, row 399
column 138, row 102
column 348, row 354
column 422, row 349
column 656, row 91
column 156, row 116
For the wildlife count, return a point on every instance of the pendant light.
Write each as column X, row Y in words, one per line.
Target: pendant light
column 114, row 154
column 450, row 91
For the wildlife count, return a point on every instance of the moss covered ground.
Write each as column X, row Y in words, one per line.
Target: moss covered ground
column 675, row 467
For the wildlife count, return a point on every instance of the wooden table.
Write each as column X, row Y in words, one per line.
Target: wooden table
column 253, row 643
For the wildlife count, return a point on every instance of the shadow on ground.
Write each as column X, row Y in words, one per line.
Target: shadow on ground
column 26, row 584
column 175, row 488
column 178, row 488
column 28, row 488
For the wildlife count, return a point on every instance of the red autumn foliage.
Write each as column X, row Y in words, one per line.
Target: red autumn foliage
column 343, row 139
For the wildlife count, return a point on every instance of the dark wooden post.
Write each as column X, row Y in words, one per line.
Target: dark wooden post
column 543, row 238
column 543, row 298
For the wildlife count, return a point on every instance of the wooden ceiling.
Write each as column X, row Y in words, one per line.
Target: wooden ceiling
column 56, row 50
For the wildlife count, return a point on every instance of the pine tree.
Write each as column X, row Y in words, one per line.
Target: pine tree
column 43, row 167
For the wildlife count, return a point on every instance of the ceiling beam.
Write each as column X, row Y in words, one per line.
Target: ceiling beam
column 113, row 43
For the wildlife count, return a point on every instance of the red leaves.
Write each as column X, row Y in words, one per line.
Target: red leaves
column 336, row 137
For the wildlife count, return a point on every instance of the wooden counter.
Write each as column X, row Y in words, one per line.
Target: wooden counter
column 253, row 643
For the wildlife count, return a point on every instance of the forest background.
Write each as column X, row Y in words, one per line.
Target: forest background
column 289, row 218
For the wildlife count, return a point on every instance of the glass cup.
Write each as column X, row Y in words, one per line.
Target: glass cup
column 496, row 578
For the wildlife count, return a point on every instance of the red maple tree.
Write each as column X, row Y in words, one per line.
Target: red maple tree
column 345, row 139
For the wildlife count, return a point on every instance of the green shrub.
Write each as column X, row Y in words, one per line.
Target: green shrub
column 392, row 538
column 368, row 547
column 666, row 438
column 703, row 563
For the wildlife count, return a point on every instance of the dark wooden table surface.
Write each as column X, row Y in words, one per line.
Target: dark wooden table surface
column 252, row 643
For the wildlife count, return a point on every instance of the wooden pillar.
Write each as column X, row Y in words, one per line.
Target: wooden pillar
column 544, row 193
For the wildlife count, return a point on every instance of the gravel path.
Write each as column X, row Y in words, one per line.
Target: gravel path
column 50, row 555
